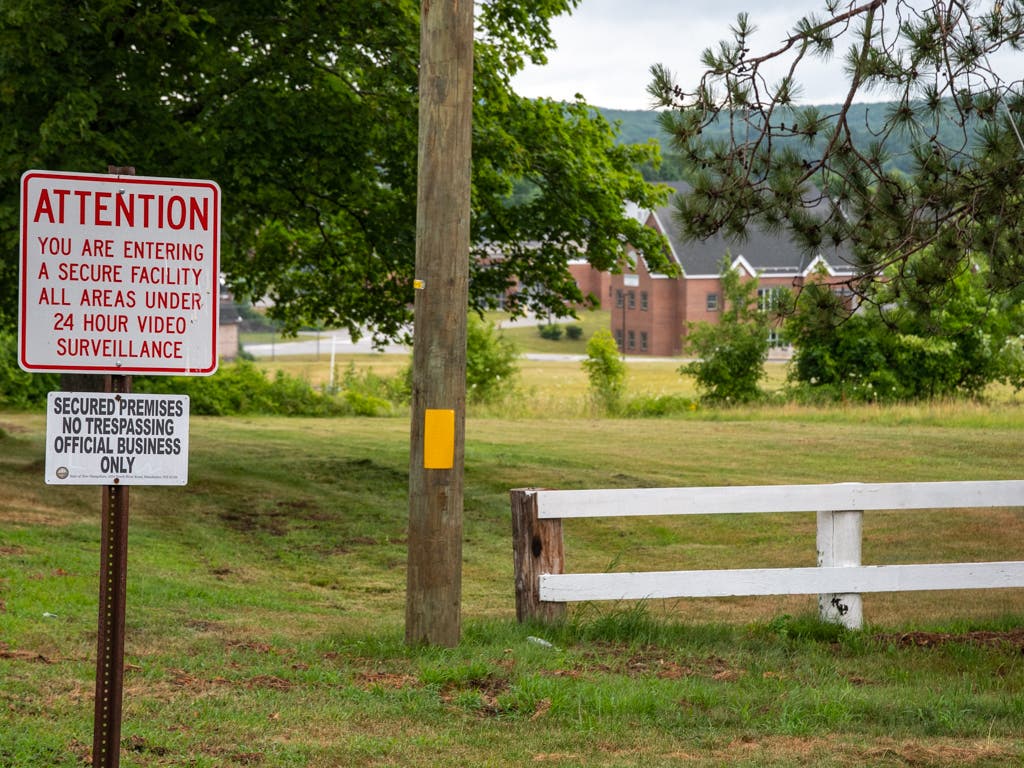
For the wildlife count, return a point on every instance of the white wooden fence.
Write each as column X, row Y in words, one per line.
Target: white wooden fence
column 542, row 589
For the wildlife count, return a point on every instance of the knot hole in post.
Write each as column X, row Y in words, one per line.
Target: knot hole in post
column 536, row 546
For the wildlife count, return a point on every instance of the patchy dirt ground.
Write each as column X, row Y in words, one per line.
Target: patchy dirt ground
column 1013, row 638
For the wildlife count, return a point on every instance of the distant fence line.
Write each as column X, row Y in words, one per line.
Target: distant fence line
column 542, row 588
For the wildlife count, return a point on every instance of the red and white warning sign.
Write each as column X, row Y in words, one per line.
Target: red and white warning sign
column 119, row 274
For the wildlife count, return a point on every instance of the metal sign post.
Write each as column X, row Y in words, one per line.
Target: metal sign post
column 118, row 275
column 106, row 741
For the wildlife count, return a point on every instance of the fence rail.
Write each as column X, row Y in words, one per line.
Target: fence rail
column 543, row 589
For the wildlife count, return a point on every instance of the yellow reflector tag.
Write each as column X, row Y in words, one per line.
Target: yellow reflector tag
column 438, row 439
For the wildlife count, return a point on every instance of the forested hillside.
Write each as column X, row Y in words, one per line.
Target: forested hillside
column 865, row 120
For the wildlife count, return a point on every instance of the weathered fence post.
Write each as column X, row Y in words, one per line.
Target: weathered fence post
column 839, row 545
column 536, row 548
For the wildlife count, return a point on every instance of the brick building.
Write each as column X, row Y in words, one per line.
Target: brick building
column 229, row 321
column 650, row 311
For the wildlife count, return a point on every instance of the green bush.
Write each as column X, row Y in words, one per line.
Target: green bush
column 731, row 354
column 491, row 362
column 392, row 390
column 929, row 341
column 550, row 331
column 362, row 404
column 18, row 388
column 574, row 332
column 242, row 388
column 606, row 371
column 492, row 366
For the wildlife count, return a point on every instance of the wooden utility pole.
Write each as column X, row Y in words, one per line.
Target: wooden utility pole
column 434, row 578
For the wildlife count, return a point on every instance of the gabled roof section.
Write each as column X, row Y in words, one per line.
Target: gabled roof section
column 743, row 266
column 819, row 263
column 769, row 254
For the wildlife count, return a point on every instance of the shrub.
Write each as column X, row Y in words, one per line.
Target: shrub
column 574, row 332
column 18, row 388
column 605, row 370
column 550, row 331
column 362, row 404
column 491, row 362
column 929, row 341
column 492, row 366
column 732, row 352
column 395, row 389
column 242, row 388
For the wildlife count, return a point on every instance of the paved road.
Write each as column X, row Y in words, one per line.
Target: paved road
column 311, row 343
column 323, row 344
column 341, row 344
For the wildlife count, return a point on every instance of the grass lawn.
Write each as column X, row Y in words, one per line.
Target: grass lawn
column 266, row 599
column 528, row 339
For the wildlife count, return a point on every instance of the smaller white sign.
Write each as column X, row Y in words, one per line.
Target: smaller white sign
column 630, row 280
column 98, row 438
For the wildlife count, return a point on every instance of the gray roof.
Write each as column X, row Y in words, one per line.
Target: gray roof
column 766, row 252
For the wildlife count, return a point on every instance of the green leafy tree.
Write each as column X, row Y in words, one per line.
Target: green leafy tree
column 305, row 112
column 943, row 103
column 730, row 353
column 606, row 371
column 909, row 343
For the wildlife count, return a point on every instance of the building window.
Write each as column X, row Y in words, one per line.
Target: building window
column 768, row 298
column 844, row 294
column 643, row 341
column 643, row 300
column 776, row 340
column 632, row 299
column 712, row 302
column 618, row 338
column 632, row 339
column 618, row 299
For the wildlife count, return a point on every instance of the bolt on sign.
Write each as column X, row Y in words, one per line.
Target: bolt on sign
column 95, row 438
column 119, row 274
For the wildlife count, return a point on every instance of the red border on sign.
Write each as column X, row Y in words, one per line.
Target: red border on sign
column 203, row 370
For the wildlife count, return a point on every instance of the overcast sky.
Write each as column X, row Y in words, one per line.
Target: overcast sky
column 606, row 48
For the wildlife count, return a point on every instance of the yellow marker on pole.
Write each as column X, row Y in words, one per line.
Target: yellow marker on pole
column 438, row 439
